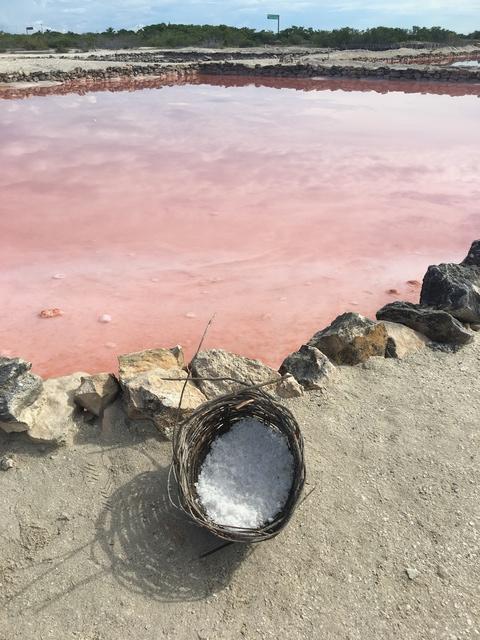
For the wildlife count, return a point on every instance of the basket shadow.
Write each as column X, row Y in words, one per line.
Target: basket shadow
column 154, row 549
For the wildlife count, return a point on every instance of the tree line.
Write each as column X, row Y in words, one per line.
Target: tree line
column 187, row 35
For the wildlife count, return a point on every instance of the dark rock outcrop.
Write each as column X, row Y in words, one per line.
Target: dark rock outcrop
column 436, row 324
column 454, row 288
column 473, row 257
column 18, row 390
column 351, row 339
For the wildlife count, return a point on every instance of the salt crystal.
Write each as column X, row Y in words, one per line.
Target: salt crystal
column 190, row 315
column 105, row 318
column 246, row 477
column 58, row 276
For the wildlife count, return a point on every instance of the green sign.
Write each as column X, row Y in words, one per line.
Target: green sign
column 273, row 16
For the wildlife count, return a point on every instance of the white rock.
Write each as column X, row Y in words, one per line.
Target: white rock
column 289, row 388
column 97, row 392
column 412, row 573
column 217, row 363
column 50, row 418
column 153, row 396
column 402, row 340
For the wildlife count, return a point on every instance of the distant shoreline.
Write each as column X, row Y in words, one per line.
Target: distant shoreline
column 396, row 64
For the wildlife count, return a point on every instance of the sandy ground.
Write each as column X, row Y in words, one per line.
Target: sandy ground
column 31, row 64
column 43, row 61
column 91, row 549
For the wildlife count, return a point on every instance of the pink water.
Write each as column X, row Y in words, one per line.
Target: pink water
column 274, row 209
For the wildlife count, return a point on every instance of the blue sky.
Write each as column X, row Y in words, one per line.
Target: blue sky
column 82, row 15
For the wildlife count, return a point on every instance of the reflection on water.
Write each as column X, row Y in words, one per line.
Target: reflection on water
column 277, row 209
column 81, row 87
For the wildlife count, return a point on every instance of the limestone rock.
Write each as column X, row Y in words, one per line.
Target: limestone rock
column 289, row 387
column 132, row 364
column 6, row 463
column 473, row 256
column 149, row 396
column 437, row 325
column 309, row 366
column 18, row 389
column 402, row 340
column 97, row 392
column 217, row 363
column 351, row 339
column 454, row 288
column 51, row 418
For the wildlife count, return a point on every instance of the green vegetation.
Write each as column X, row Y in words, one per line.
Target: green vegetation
column 185, row 35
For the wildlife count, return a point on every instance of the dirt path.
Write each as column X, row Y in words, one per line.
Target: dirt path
column 91, row 549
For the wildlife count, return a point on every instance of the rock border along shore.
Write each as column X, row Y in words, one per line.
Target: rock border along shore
column 394, row 72
column 184, row 65
column 150, row 383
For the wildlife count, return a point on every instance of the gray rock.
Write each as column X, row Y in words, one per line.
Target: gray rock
column 309, row 366
column 288, row 387
column 6, row 463
column 12, row 368
column 51, row 418
column 412, row 573
column 155, row 395
column 132, row 364
column 454, row 288
column 97, row 392
column 217, row 363
column 18, row 389
column 351, row 339
column 437, row 325
column 473, row 256
column 402, row 341
column 442, row 572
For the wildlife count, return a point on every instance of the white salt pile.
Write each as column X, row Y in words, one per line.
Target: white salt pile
column 247, row 475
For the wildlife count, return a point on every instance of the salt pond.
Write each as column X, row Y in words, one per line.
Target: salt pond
column 276, row 208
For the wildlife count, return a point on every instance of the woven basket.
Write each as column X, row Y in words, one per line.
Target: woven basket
column 192, row 442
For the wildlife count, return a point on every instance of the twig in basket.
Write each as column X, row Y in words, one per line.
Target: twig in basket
column 193, row 359
column 247, row 385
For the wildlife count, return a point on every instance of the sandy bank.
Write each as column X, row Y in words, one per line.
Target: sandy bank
column 92, row 549
column 277, row 61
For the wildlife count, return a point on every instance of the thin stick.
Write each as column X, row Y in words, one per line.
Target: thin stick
column 212, row 551
column 307, row 496
column 193, row 359
column 245, row 384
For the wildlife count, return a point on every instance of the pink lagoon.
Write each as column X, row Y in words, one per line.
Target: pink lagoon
column 276, row 206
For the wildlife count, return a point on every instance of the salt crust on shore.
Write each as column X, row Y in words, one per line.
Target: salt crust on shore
column 247, row 475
